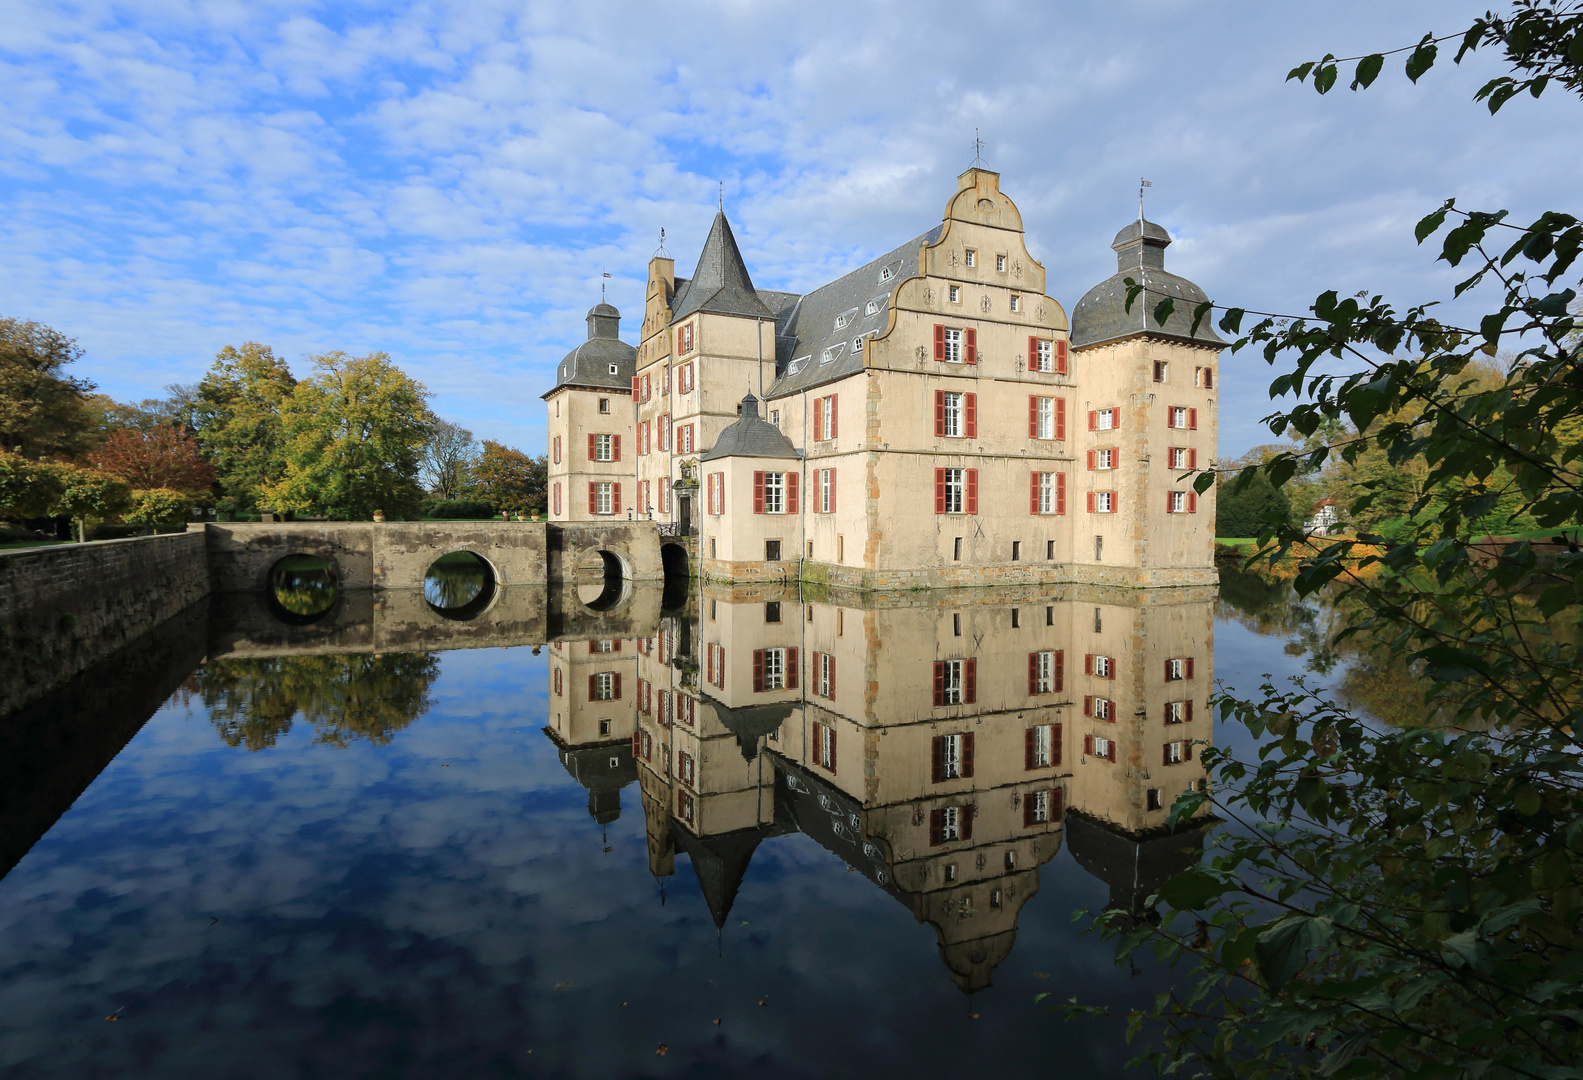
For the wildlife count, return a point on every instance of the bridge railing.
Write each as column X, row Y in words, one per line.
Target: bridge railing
column 677, row 529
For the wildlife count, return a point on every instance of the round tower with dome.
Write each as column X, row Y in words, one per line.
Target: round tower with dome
column 590, row 408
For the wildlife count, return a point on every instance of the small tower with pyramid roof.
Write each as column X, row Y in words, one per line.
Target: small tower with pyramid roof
column 751, row 527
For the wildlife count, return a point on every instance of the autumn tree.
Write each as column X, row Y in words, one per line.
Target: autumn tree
column 510, row 480
column 234, row 412
column 159, row 457
column 354, row 434
column 42, row 412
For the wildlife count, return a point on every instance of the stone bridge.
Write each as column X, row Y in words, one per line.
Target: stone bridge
column 396, row 555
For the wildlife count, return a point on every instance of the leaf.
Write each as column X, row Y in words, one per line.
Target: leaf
column 1350, row 1048
column 1430, row 224
column 1462, row 950
column 1162, row 310
column 1325, row 78
column 1192, row 890
column 1368, row 70
column 1283, row 949
column 1422, row 58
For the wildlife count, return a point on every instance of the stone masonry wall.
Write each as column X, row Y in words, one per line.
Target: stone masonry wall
column 66, row 607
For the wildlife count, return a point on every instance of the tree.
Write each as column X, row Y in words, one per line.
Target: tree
column 511, row 480
column 447, row 458
column 235, row 414
column 1241, row 512
column 160, row 506
column 1408, row 901
column 159, row 457
column 85, row 494
column 354, row 434
column 42, row 411
column 27, row 489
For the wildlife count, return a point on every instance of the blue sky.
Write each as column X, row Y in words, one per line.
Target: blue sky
column 445, row 181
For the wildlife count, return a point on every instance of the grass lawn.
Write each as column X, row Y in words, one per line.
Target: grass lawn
column 1237, row 541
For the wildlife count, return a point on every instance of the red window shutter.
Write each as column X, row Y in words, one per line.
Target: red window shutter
column 593, row 646
column 835, row 414
column 616, row 689
column 593, row 688
column 970, row 345
column 1189, row 709
column 1060, row 493
column 758, row 671
column 1060, row 357
column 1033, row 673
column 967, row 755
column 939, row 342
column 939, row 682
column 832, row 489
column 964, row 819
column 1027, row 811
column 1060, row 418
column 593, row 498
column 1088, row 705
column 679, row 349
column 1170, row 498
column 791, row 669
column 1192, row 502
column 1187, row 750
column 1033, row 493
column 969, row 682
column 1091, row 502
column 1110, row 750
column 939, row 412
column 1093, row 460
column 1192, row 419
column 1192, row 458
column 818, row 419
column 971, row 408
column 1165, row 754
column 939, row 491
column 1093, row 419
column 615, row 495
column 758, row 492
column 1168, row 671
column 637, row 744
column 972, row 491
column 1110, row 669
column 1055, row 742
column 1060, row 670
column 1088, row 744
column 615, row 447
column 721, row 483
column 1115, row 419
column 635, row 385
column 937, row 759
column 1088, row 663
column 791, row 493
column 1189, row 667
column 1167, row 713
column 936, row 828
column 831, row 762
column 1027, row 749
column 1033, row 417
column 1033, row 353
column 592, row 446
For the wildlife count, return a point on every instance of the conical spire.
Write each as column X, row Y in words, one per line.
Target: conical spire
column 720, row 284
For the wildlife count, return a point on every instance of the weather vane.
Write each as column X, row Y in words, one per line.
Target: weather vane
column 1142, row 183
column 978, row 151
column 602, row 274
column 722, row 196
column 660, row 252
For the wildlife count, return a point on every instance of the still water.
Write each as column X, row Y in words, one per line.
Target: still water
column 488, row 833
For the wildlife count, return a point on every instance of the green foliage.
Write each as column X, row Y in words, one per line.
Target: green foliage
column 27, row 489
column 458, row 509
column 1408, row 900
column 235, row 414
column 354, row 432
column 510, row 480
column 43, row 412
column 85, row 494
column 1240, row 509
column 158, row 506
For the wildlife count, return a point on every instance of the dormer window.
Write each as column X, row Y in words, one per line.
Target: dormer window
column 797, row 365
column 845, row 319
column 613, row 369
column 829, row 355
column 872, row 308
column 886, row 273
column 857, row 344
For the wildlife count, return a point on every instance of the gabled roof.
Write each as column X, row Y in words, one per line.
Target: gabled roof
column 720, row 284
column 813, row 344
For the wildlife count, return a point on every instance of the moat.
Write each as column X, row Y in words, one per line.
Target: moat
column 754, row 831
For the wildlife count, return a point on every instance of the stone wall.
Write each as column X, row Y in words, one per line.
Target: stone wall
column 66, row 607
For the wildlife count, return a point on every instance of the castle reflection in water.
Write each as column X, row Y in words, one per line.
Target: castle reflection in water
column 944, row 744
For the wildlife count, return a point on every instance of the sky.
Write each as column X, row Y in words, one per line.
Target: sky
column 446, row 182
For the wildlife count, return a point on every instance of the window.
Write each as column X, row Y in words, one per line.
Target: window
column 557, row 494
column 1046, row 672
column 1103, row 458
column 604, row 497
column 665, row 431
column 559, row 689
column 1204, row 377
column 952, row 757
column 970, row 257
column 843, row 320
column 1099, row 621
column 665, row 379
column 772, row 551
column 1101, row 502
column 826, row 417
column 1099, row 708
column 956, row 550
column 556, row 450
column 840, row 556
column 824, row 675
column 830, row 354
column 1047, row 495
column 1000, row 263
column 774, row 669
column 953, row 346
column 604, row 727
column 1152, row 799
column 684, row 340
column 824, row 491
column 857, row 344
column 1049, row 545
column 613, row 369
column 947, row 824
column 1016, row 618
column 956, row 624
column 956, row 491
column 774, row 493
column 1016, row 551
column 886, row 273
column 684, row 379
column 605, row 686
column 1016, row 303
column 823, row 739
column 1160, row 370
column 1042, row 418
column 1104, row 419
column 715, row 496
column 775, row 417
column 1178, row 712
column 1176, row 752
column 604, row 645
column 1102, row 666
column 955, row 294
column 1043, row 355
column 686, row 710
column 1040, row 808
column 1042, row 746
column 1100, row 747
column 1181, row 502
column 604, row 405
column 715, row 662
column 772, row 611
column 684, row 807
column 1178, row 669
column 648, row 388
column 955, row 414
column 685, row 770
column 1099, row 548
column 1179, row 416
column 956, row 682
column 871, row 308
column 604, row 447
column 1181, row 457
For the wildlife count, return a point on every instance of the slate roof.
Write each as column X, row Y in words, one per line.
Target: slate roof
column 751, row 437
column 589, row 364
column 1102, row 315
column 750, row 723
column 720, row 284
column 806, row 331
column 604, row 769
column 1133, row 865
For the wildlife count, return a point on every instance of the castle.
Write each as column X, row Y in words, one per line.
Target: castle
column 930, row 419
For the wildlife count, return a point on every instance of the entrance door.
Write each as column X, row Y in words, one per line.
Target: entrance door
column 684, row 511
